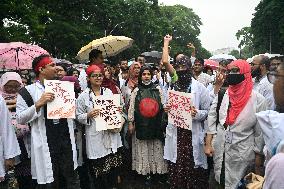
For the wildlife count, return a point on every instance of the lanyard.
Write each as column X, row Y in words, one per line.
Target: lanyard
column 90, row 96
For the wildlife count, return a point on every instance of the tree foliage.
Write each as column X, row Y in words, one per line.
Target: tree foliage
column 63, row 27
column 267, row 26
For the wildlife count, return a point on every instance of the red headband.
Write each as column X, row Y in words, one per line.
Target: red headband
column 94, row 68
column 43, row 62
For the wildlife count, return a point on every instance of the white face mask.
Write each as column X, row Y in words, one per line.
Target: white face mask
column 146, row 82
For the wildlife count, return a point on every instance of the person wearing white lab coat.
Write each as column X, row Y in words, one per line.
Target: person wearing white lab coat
column 237, row 136
column 53, row 150
column 271, row 122
column 184, row 148
column 260, row 67
column 9, row 147
column 102, row 147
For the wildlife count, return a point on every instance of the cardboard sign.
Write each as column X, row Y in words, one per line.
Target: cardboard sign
column 63, row 106
column 180, row 109
column 109, row 116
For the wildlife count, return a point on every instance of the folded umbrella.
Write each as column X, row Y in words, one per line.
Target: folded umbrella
column 18, row 55
column 110, row 46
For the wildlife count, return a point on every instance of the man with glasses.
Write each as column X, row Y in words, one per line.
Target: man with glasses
column 259, row 68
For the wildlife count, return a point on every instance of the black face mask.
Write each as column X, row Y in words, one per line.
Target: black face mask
column 234, row 79
column 255, row 73
column 184, row 79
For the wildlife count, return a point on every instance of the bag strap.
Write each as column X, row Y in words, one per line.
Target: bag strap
column 220, row 99
column 26, row 96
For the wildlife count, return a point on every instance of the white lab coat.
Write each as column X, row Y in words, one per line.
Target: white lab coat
column 9, row 147
column 201, row 101
column 98, row 143
column 246, row 141
column 41, row 166
column 272, row 126
column 265, row 88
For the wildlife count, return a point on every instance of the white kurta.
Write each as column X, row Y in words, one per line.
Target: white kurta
column 9, row 147
column 202, row 103
column 98, row 143
column 41, row 166
column 246, row 141
column 265, row 88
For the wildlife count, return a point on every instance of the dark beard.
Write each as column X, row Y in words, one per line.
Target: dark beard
column 184, row 81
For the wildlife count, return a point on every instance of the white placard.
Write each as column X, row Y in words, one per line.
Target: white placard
column 180, row 109
column 109, row 116
column 63, row 106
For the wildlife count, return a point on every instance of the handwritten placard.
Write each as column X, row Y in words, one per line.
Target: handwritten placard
column 109, row 116
column 180, row 109
column 63, row 106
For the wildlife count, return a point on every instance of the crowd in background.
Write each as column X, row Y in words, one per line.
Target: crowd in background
column 237, row 136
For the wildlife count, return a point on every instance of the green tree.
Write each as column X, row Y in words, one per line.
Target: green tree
column 267, row 26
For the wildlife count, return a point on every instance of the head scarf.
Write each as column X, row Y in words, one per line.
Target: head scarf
column 110, row 84
column 93, row 68
column 274, row 172
column 77, row 88
column 239, row 94
column 140, row 83
column 6, row 77
column 184, row 76
column 133, row 80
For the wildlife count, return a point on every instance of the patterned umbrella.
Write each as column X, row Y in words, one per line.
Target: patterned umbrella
column 110, row 46
column 18, row 55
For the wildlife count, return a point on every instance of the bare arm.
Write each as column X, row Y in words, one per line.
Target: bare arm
column 165, row 57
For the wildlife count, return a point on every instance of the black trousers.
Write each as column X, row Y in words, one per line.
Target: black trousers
column 61, row 153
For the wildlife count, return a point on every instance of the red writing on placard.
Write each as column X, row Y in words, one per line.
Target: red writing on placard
column 60, row 92
column 180, row 109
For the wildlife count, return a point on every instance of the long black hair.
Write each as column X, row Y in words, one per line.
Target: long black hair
column 141, row 72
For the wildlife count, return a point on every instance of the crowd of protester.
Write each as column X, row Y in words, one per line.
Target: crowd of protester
column 236, row 140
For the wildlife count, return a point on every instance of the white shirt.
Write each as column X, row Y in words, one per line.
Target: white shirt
column 265, row 88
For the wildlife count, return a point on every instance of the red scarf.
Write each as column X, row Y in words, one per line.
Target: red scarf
column 239, row 94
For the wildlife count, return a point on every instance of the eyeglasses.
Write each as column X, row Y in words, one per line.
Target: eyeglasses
column 97, row 75
column 272, row 76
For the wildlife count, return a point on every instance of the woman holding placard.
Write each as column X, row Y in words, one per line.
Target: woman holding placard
column 183, row 147
column 145, row 124
column 101, row 146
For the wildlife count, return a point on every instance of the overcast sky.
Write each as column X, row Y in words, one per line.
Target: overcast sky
column 221, row 19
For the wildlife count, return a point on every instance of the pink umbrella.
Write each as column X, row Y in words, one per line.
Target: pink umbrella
column 18, row 55
column 211, row 63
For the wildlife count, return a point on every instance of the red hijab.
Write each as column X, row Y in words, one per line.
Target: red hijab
column 110, row 83
column 239, row 94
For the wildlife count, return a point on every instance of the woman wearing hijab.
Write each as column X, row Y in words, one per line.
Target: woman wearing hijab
column 11, row 83
column 101, row 146
column 184, row 148
column 238, row 141
column 126, row 91
column 145, row 124
column 108, row 82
